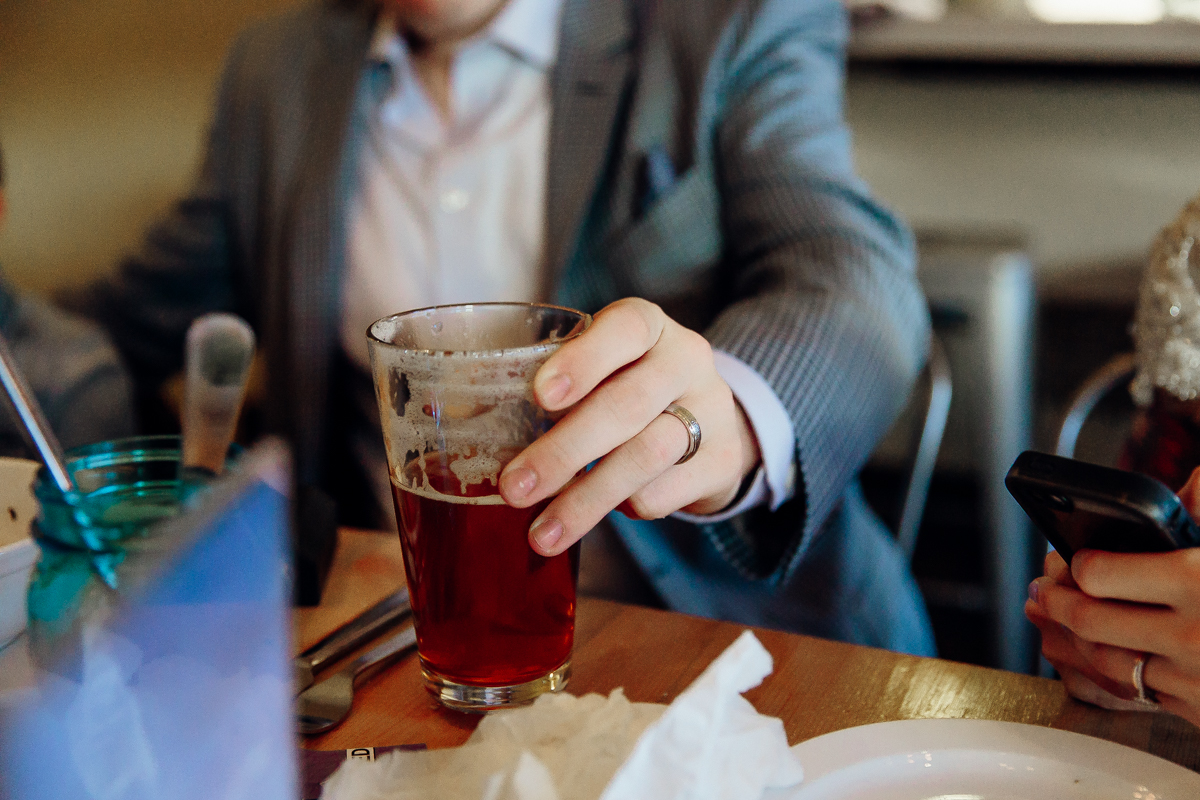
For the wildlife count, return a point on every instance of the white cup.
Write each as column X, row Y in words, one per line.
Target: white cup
column 18, row 553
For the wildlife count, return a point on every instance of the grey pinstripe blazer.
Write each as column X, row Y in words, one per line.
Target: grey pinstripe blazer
column 767, row 242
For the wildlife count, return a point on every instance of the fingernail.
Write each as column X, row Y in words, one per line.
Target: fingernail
column 554, row 389
column 518, row 483
column 546, row 533
column 1033, row 591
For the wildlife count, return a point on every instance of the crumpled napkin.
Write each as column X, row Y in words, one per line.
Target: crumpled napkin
column 710, row 744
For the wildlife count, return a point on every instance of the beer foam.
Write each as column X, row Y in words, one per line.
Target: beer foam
column 476, row 408
column 433, row 494
column 471, row 471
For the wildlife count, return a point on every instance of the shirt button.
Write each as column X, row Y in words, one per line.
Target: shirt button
column 455, row 200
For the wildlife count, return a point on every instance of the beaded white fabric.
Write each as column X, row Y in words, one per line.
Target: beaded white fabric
column 1166, row 324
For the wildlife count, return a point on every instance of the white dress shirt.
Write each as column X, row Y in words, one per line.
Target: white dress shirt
column 453, row 210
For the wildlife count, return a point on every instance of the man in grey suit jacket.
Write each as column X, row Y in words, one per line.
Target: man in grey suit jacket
column 761, row 237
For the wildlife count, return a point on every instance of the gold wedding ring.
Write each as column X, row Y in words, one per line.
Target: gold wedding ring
column 693, row 430
column 1144, row 696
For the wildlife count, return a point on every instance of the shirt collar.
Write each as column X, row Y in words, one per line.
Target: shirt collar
column 528, row 28
column 386, row 45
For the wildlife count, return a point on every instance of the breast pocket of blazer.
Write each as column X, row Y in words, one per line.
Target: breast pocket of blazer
column 675, row 244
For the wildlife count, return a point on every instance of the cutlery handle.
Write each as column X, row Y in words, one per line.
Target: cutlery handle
column 372, row 622
column 399, row 643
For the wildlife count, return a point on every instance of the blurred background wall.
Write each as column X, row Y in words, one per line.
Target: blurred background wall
column 1088, row 166
column 103, row 105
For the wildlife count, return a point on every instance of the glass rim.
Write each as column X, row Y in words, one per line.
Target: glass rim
column 108, row 453
column 585, row 317
column 146, row 441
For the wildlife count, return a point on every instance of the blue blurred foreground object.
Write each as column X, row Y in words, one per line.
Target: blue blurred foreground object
column 181, row 687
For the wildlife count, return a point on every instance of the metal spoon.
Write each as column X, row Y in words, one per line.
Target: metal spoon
column 33, row 419
column 324, row 705
column 385, row 614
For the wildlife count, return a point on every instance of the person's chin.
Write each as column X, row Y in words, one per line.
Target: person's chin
column 436, row 20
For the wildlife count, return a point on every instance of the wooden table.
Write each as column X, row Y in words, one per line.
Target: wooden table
column 818, row 685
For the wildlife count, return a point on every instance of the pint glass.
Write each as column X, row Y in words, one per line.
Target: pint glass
column 495, row 620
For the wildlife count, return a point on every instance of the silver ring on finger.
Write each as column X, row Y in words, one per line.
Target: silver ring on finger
column 1145, row 696
column 693, row 430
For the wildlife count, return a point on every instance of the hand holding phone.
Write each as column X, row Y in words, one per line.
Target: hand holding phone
column 1077, row 505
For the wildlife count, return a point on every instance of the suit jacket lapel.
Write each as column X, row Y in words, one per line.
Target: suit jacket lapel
column 315, row 234
column 590, row 79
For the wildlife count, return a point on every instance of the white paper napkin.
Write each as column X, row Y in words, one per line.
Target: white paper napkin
column 710, row 744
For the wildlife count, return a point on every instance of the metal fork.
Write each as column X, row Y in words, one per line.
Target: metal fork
column 324, row 705
column 385, row 614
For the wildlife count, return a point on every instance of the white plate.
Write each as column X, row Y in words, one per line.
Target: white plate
column 963, row 759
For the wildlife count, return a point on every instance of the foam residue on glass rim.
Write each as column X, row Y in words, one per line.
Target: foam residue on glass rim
column 468, row 413
column 483, row 330
column 455, row 390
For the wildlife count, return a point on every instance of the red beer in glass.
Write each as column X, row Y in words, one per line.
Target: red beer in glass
column 495, row 620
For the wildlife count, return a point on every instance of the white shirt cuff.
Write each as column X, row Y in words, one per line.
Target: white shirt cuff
column 775, row 480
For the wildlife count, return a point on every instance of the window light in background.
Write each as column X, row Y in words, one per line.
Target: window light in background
column 924, row 10
column 1127, row 11
column 1184, row 9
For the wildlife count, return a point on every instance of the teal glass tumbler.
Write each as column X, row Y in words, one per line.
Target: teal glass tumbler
column 124, row 487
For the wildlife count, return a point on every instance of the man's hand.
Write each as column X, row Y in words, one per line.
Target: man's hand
column 1100, row 615
column 616, row 379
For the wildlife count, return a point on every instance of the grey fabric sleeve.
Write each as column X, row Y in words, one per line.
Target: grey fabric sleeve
column 72, row 369
column 829, row 311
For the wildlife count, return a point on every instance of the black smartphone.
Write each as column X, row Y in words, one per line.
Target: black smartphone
column 1076, row 505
